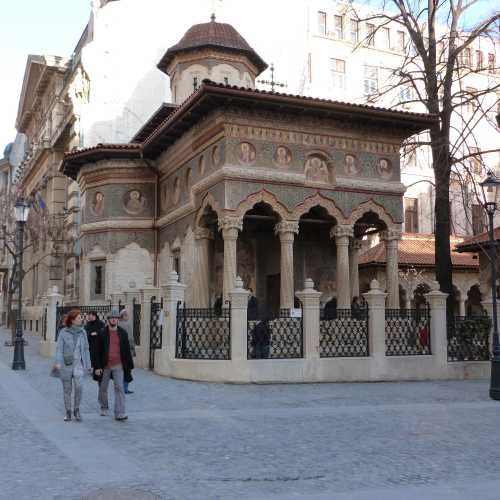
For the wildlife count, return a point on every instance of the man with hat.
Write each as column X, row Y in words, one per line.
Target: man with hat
column 113, row 359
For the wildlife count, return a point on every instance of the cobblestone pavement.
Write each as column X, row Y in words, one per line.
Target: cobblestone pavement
column 187, row 440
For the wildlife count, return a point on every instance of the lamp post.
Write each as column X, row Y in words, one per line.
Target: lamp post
column 489, row 188
column 21, row 209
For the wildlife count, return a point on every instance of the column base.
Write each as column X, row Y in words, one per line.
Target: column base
column 495, row 379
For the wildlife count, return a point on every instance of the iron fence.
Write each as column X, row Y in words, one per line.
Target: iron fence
column 101, row 310
column 345, row 335
column 44, row 324
column 156, row 330
column 137, row 322
column 278, row 337
column 468, row 338
column 407, row 332
column 203, row 333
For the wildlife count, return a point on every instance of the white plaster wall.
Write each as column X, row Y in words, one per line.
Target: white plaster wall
column 131, row 268
column 164, row 264
column 187, row 265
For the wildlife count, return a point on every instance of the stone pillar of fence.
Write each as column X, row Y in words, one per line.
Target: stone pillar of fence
column 142, row 351
column 48, row 346
column 239, row 309
column 375, row 299
column 488, row 306
column 439, row 339
column 173, row 293
column 310, row 320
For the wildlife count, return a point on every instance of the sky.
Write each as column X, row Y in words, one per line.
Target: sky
column 33, row 27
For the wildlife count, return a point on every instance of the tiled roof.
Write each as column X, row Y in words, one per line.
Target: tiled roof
column 215, row 35
column 474, row 243
column 418, row 250
column 159, row 116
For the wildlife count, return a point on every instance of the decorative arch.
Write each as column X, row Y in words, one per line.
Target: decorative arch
column 322, row 201
column 371, row 206
column 262, row 196
column 208, row 201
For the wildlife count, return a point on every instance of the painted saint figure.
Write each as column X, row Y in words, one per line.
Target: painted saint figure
column 350, row 166
column 316, row 170
column 283, row 157
column 384, row 168
column 97, row 206
column 246, row 153
column 135, row 202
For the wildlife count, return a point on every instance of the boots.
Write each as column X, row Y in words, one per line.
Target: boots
column 67, row 418
column 78, row 417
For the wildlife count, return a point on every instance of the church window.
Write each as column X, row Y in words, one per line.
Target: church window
column 354, row 31
column 97, row 280
column 338, row 27
column 338, row 73
column 322, row 23
column 370, row 80
column 195, row 83
column 411, row 215
column 177, row 263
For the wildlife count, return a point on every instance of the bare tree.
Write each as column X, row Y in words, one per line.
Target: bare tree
column 436, row 61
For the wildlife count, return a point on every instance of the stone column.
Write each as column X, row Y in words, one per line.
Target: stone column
column 391, row 238
column 286, row 230
column 353, row 267
column 173, row 293
column 342, row 233
column 439, row 339
column 461, row 306
column 48, row 347
column 239, row 306
column 201, row 280
column 375, row 299
column 310, row 307
column 230, row 226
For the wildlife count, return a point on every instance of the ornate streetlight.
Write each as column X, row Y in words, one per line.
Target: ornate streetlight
column 21, row 211
column 489, row 188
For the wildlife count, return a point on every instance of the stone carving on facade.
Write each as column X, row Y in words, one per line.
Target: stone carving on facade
column 384, row 168
column 246, row 153
column 371, row 206
column 231, row 222
column 97, row 204
column 282, row 157
column 263, row 196
column 216, row 156
column 134, row 202
column 342, row 231
column 177, row 190
column 202, row 165
column 164, row 196
column 351, row 165
column 208, row 202
column 392, row 234
column 189, row 179
column 316, row 170
column 287, row 226
column 321, row 201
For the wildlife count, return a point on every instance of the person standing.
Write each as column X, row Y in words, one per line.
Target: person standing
column 113, row 359
column 124, row 318
column 72, row 361
column 93, row 326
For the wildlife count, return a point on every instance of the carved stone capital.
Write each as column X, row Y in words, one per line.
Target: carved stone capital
column 392, row 234
column 230, row 222
column 357, row 244
column 342, row 232
column 203, row 233
column 287, row 226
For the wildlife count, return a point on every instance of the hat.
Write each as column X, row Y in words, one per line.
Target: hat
column 114, row 313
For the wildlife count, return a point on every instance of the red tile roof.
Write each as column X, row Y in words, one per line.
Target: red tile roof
column 417, row 250
column 478, row 241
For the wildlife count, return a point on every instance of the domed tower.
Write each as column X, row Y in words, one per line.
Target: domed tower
column 210, row 50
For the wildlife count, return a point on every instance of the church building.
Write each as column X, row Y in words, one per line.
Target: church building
column 231, row 181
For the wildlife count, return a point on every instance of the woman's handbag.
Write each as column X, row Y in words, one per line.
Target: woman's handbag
column 55, row 372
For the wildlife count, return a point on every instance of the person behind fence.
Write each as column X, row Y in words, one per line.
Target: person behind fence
column 113, row 359
column 93, row 326
column 356, row 311
column 72, row 361
column 124, row 318
column 253, row 306
column 330, row 311
column 218, row 306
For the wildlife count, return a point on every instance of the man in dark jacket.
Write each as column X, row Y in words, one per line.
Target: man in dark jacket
column 93, row 326
column 113, row 359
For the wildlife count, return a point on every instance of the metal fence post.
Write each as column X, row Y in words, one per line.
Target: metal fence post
column 48, row 346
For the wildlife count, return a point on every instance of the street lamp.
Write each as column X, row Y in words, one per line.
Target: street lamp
column 21, row 210
column 489, row 188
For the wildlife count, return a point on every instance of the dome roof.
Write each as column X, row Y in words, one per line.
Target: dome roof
column 213, row 35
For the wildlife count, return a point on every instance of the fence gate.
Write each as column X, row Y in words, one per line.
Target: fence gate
column 155, row 329
column 137, row 322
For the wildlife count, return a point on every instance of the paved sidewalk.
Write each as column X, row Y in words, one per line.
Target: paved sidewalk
column 187, row 440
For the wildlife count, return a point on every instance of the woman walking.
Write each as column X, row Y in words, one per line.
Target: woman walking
column 73, row 360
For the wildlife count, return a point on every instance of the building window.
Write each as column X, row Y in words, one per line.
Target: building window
column 386, row 32
column 478, row 220
column 470, row 97
column 370, row 35
column 97, row 283
column 401, row 41
column 479, row 59
column 411, row 215
column 322, row 23
column 405, row 94
column 338, row 27
column 475, row 161
column 491, row 63
column 467, row 57
column 338, row 73
column 371, row 80
column 354, row 31
column 177, row 263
